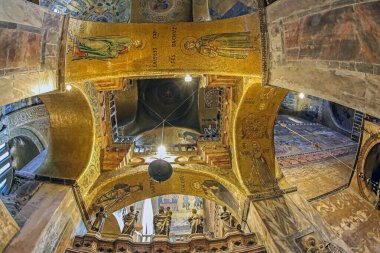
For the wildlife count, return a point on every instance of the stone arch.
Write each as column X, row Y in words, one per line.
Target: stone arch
column 31, row 134
column 362, row 175
column 33, row 122
column 72, row 135
column 23, row 150
column 346, row 122
column 193, row 179
column 253, row 144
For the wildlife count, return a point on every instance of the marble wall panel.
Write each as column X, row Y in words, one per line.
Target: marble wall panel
column 341, row 34
column 201, row 11
column 14, row 12
column 287, row 220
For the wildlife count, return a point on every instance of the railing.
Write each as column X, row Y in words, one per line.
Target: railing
column 149, row 149
column 233, row 243
column 357, row 126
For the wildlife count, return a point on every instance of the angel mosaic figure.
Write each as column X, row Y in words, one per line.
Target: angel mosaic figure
column 117, row 194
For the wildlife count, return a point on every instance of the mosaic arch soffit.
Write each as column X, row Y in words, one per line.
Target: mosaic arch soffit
column 254, row 165
column 72, row 124
column 96, row 51
column 253, row 142
column 193, row 179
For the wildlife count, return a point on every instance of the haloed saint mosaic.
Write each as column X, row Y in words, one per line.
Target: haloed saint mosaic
column 138, row 49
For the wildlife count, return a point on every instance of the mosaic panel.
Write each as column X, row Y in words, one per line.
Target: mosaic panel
column 92, row 10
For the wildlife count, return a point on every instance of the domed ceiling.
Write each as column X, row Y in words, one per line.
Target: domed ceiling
column 159, row 99
column 145, row 104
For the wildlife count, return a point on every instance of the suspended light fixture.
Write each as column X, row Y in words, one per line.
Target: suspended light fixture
column 160, row 170
column 161, row 151
column 69, row 87
column 188, row 78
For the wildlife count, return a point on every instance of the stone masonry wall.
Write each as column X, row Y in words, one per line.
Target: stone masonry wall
column 327, row 48
column 30, row 38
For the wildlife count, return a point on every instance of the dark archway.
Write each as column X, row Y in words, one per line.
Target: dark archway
column 23, row 150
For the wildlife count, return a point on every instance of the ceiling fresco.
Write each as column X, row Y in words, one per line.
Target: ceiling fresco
column 148, row 11
column 221, row 9
column 172, row 136
column 159, row 11
column 92, row 10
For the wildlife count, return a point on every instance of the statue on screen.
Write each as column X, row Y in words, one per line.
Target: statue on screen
column 99, row 220
column 168, row 214
column 161, row 222
column 230, row 45
column 229, row 222
column 196, row 222
column 130, row 221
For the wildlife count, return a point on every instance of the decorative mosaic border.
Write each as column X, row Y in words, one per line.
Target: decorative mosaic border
column 264, row 42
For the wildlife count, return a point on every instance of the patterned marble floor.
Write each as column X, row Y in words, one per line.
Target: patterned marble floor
column 353, row 219
column 315, row 171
